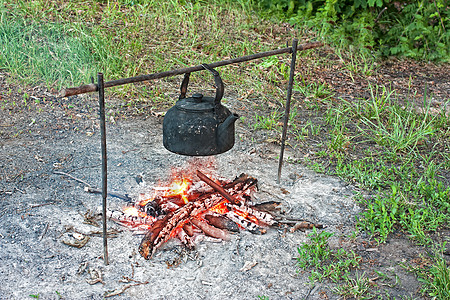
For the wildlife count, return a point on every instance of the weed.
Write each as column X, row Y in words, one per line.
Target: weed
column 418, row 207
column 312, row 91
column 399, row 129
column 59, row 295
column 435, row 277
column 317, row 167
column 324, row 262
column 269, row 122
column 357, row 63
column 339, row 139
column 356, row 288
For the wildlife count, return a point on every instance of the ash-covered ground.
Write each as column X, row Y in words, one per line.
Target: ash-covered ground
column 39, row 206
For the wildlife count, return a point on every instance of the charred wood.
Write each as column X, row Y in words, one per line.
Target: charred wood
column 222, row 222
column 121, row 217
column 269, row 206
column 260, row 215
column 147, row 244
column 185, row 238
column 211, row 230
column 189, row 229
column 305, row 225
column 217, row 187
column 243, row 222
column 170, row 223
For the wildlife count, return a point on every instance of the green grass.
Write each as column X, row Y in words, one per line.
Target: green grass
column 322, row 261
column 435, row 276
column 398, row 163
column 64, row 45
column 37, row 53
column 398, row 151
column 395, row 127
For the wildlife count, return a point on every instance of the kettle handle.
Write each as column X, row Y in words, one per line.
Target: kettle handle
column 217, row 81
column 184, row 85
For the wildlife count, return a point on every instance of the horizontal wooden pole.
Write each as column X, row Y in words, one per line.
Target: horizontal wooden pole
column 82, row 89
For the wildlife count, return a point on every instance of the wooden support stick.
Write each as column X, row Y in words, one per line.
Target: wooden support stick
column 94, row 87
column 288, row 107
column 101, row 99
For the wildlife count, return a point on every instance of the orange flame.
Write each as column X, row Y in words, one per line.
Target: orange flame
column 179, row 188
column 133, row 211
column 220, row 208
column 146, row 199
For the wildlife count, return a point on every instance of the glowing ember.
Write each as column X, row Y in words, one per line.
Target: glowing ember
column 181, row 209
column 179, row 188
column 131, row 211
column 220, row 208
column 246, row 216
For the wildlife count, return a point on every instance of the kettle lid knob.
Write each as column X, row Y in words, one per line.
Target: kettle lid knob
column 197, row 97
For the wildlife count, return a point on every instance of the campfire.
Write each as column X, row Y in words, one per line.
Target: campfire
column 194, row 205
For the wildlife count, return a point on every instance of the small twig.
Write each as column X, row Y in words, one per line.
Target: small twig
column 17, row 189
column 72, row 177
column 122, row 289
column 85, row 167
column 112, row 233
column 116, row 195
column 3, row 212
column 309, row 292
column 41, row 204
column 439, row 13
column 45, row 231
column 126, row 151
column 379, row 15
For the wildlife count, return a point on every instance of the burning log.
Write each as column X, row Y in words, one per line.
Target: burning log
column 217, row 187
column 173, row 221
column 243, row 222
column 146, row 246
column 222, row 222
column 259, row 215
column 187, row 210
column 189, row 229
column 185, row 239
column 211, row 230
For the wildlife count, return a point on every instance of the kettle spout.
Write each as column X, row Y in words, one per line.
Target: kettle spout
column 225, row 131
column 223, row 128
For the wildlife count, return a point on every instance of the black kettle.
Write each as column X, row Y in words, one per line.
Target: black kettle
column 199, row 126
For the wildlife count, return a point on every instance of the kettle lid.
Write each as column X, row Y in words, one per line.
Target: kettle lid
column 196, row 103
